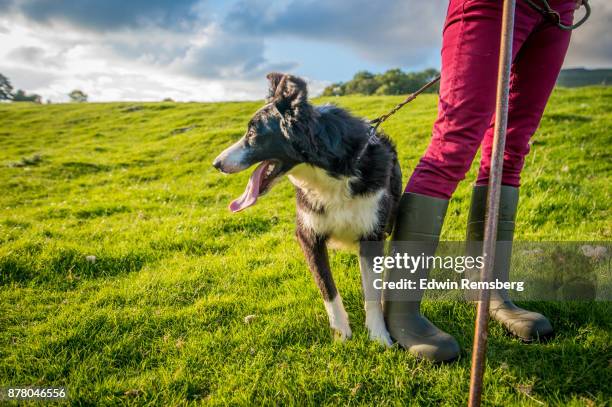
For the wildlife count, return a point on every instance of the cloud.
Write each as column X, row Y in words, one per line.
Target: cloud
column 393, row 32
column 152, row 64
column 29, row 79
column 106, row 15
column 173, row 36
column 34, row 56
column 27, row 54
column 218, row 54
column 387, row 31
column 216, row 50
column 591, row 44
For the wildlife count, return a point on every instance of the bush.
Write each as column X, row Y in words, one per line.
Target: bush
column 392, row 82
column 22, row 96
column 78, row 96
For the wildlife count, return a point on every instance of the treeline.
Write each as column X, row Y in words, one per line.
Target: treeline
column 8, row 94
column 572, row 78
column 392, row 82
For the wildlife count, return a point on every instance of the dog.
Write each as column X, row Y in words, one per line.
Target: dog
column 347, row 185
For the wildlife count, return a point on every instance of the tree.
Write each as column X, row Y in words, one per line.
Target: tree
column 22, row 96
column 395, row 82
column 6, row 92
column 335, row 89
column 78, row 96
column 363, row 82
column 392, row 82
column 6, row 89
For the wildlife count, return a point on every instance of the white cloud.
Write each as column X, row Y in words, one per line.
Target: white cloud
column 153, row 49
column 127, row 65
column 591, row 44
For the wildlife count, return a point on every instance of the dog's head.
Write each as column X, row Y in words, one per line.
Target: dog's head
column 274, row 139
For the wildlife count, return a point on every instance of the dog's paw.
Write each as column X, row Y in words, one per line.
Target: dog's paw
column 375, row 322
column 342, row 335
column 338, row 319
column 381, row 335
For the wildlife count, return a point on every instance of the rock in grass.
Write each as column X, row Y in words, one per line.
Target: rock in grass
column 90, row 259
column 26, row 161
column 181, row 130
column 249, row 318
column 526, row 389
column 132, row 392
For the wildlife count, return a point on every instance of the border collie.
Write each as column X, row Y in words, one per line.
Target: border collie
column 347, row 185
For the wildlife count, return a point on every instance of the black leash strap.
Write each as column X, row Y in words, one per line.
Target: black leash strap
column 554, row 16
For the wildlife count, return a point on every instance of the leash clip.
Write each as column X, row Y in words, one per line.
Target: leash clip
column 373, row 137
column 554, row 16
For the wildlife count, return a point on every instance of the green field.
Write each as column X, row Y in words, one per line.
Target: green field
column 159, row 316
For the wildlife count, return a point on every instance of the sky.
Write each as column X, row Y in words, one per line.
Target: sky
column 213, row 50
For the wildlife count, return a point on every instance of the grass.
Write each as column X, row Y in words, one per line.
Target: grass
column 159, row 316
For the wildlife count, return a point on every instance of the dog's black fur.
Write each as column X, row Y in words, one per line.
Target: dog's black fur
column 289, row 132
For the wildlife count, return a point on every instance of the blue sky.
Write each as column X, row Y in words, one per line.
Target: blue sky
column 213, row 50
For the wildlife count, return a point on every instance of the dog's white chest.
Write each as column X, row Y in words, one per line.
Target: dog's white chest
column 345, row 219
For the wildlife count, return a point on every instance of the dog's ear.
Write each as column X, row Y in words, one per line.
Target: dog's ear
column 274, row 79
column 286, row 91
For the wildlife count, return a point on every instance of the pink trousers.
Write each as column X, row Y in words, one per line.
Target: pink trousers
column 470, row 52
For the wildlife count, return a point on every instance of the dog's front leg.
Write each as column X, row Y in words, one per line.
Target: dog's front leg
column 315, row 250
column 375, row 321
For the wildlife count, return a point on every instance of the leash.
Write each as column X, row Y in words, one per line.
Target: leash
column 374, row 123
column 554, row 16
column 380, row 119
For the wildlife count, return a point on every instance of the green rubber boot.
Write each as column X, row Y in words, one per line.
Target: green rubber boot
column 418, row 225
column 527, row 325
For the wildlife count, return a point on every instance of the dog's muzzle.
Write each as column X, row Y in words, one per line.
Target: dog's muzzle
column 232, row 159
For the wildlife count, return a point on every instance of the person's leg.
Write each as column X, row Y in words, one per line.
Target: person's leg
column 470, row 52
column 534, row 74
column 467, row 97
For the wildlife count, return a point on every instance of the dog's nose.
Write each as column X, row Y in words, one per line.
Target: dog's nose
column 217, row 164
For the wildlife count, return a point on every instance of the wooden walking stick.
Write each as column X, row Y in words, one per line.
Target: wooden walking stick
column 479, row 351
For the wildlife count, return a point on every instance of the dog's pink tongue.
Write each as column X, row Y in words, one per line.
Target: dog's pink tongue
column 250, row 194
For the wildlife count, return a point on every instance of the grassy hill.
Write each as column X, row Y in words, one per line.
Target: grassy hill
column 158, row 316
